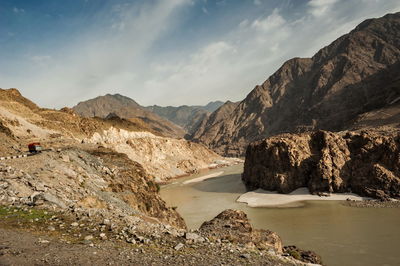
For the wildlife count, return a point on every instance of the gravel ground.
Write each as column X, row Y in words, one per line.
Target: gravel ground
column 37, row 237
column 32, row 248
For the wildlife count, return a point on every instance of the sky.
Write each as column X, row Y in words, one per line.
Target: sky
column 164, row 52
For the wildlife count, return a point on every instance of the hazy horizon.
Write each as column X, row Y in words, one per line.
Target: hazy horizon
column 168, row 53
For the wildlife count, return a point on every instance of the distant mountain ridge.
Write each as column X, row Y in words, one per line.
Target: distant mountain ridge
column 125, row 107
column 186, row 116
column 352, row 83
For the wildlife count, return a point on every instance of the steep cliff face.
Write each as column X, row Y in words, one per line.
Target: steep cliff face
column 336, row 89
column 127, row 108
column 366, row 163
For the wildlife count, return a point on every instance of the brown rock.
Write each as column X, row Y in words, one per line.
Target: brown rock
column 303, row 255
column 367, row 163
column 234, row 226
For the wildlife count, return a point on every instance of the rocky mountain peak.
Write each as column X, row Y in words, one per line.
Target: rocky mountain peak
column 354, row 75
column 127, row 108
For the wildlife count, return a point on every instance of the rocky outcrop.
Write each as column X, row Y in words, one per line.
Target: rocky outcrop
column 352, row 83
column 234, row 226
column 125, row 107
column 366, row 163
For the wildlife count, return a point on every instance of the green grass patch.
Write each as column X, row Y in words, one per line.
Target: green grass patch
column 23, row 214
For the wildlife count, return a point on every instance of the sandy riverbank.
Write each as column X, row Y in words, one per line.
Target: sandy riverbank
column 262, row 198
column 202, row 178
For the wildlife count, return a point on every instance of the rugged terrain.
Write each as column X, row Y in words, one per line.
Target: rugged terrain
column 365, row 162
column 164, row 158
column 40, row 237
column 124, row 107
column 80, row 202
column 22, row 121
column 186, row 116
column 353, row 83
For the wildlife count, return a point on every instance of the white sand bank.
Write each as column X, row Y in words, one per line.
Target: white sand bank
column 262, row 198
column 202, row 178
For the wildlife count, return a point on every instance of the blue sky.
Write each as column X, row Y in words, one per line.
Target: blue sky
column 165, row 52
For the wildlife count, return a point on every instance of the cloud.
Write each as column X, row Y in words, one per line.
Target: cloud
column 320, row 7
column 128, row 53
column 204, row 9
column 17, row 10
column 257, row 2
column 230, row 67
column 271, row 22
column 109, row 59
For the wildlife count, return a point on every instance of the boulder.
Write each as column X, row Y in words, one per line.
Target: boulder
column 234, row 226
column 303, row 255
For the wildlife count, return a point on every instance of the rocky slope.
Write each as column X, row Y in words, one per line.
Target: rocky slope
column 207, row 130
column 126, row 108
column 185, row 116
column 21, row 122
column 79, row 196
column 366, row 163
column 105, row 182
column 352, row 83
column 164, row 158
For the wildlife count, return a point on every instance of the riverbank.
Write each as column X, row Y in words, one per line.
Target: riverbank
column 202, row 178
column 227, row 162
column 262, row 198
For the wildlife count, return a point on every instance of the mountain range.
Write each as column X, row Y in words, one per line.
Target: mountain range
column 186, row 116
column 352, row 83
column 124, row 107
column 168, row 121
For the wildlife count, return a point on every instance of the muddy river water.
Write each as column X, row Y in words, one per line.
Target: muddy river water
column 342, row 235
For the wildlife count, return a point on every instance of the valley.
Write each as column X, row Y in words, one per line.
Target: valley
column 305, row 170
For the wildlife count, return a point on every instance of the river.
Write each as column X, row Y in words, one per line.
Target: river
column 342, row 235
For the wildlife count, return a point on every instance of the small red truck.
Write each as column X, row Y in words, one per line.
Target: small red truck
column 35, row 147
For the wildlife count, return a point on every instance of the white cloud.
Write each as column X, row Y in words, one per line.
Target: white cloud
column 271, row 22
column 98, row 62
column 257, row 2
column 320, row 7
column 228, row 66
column 204, row 9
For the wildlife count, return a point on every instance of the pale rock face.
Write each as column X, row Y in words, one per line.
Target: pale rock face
column 162, row 157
